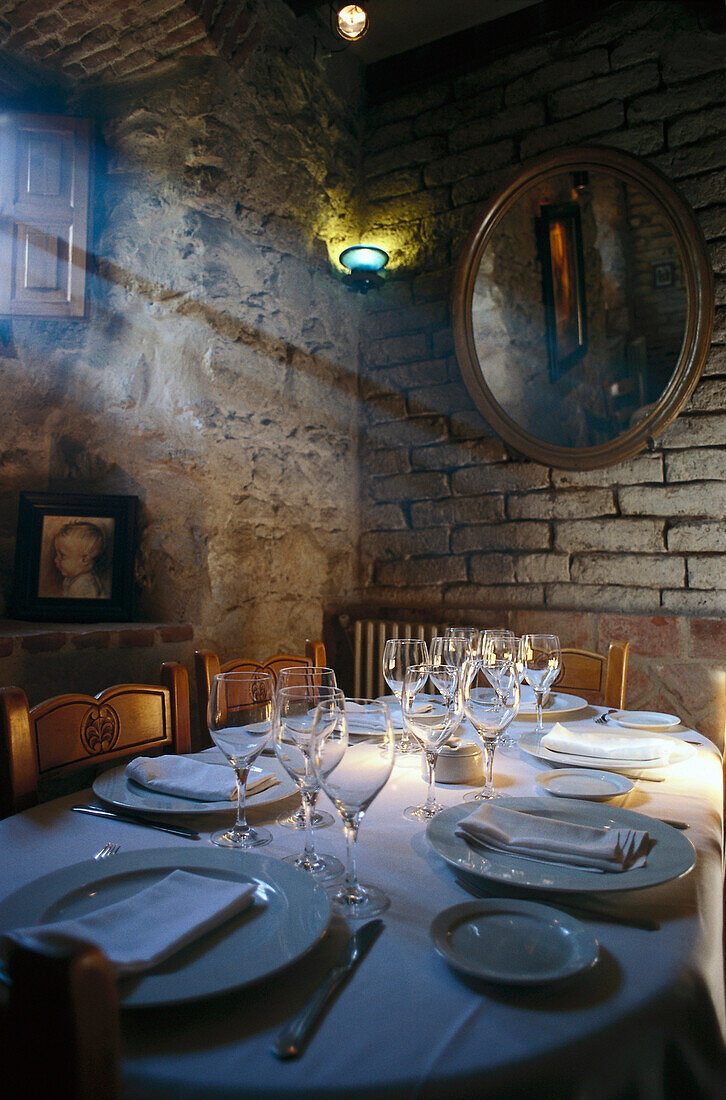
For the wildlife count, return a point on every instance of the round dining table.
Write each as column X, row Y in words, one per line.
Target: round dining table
column 646, row 1020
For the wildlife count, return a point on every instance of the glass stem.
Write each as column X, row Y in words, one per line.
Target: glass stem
column 405, row 739
column 307, row 801
column 539, row 698
column 430, row 797
column 240, row 825
column 488, row 747
column 350, row 828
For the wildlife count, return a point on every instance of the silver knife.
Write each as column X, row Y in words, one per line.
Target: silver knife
column 147, row 822
column 294, row 1036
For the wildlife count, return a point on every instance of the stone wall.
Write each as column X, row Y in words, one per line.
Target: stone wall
column 454, row 521
column 215, row 374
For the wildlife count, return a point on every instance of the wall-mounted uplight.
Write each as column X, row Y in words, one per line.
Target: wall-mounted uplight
column 363, row 261
column 350, row 21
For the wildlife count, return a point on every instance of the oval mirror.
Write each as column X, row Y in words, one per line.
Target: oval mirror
column 583, row 308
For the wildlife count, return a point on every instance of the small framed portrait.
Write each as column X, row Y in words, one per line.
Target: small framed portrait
column 663, row 275
column 74, row 558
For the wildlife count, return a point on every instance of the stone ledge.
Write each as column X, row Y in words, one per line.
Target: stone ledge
column 16, row 636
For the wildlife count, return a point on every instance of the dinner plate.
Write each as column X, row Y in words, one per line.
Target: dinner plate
column 558, row 703
column 513, row 941
column 115, row 789
column 671, row 856
column 290, row 914
column 587, row 783
column 644, row 720
column 682, row 750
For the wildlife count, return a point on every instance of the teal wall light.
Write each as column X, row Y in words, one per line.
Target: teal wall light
column 363, row 261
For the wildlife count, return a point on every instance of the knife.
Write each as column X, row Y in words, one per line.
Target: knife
column 294, row 1036
column 147, row 822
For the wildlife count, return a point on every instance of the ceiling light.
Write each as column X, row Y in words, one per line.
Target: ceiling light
column 351, row 21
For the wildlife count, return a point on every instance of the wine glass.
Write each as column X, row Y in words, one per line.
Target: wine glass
column 398, row 654
column 459, row 647
column 296, row 708
column 239, row 716
column 498, row 648
column 541, row 658
column 352, row 772
column 432, row 725
column 289, row 677
column 490, row 710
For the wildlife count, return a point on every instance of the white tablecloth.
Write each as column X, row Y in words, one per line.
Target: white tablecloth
column 408, row 1026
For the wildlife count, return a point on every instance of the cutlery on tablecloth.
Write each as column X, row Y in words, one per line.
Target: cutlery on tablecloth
column 146, row 822
column 294, row 1036
column 589, row 909
column 107, row 851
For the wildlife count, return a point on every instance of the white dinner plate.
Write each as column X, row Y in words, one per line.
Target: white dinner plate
column 681, row 750
column 290, row 914
column 513, row 941
column 671, row 856
column 587, row 783
column 115, row 789
column 558, row 704
column 644, row 720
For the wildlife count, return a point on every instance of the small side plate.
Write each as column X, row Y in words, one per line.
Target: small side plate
column 645, row 720
column 587, row 783
column 513, row 941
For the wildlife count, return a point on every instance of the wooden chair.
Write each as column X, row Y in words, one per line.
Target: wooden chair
column 61, row 1023
column 71, row 732
column 207, row 665
column 598, row 679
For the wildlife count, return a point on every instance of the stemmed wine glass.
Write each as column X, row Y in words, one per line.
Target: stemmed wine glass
column 289, row 677
column 498, row 648
column 297, row 708
column 398, row 655
column 352, row 772
column 541, row 658
column 490, row 710
column 239, row 716
column 432, row 727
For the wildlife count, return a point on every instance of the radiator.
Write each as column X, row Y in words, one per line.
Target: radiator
column 369, row 638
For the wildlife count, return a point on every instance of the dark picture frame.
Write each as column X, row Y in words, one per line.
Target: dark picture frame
column 559, row 240
column 74, row 558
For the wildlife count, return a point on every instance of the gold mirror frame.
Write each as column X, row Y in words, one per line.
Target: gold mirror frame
column 698, row 282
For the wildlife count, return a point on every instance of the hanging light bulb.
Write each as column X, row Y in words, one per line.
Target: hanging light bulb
column 351, row 21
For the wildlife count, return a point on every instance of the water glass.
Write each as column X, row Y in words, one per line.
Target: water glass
column 490, row 712
column 398, row 655
column 297, row 709
column 498, row 648
column 541, row 659
column 322, row 677
column 239, row 716
column 352, row 771
column 431, row 724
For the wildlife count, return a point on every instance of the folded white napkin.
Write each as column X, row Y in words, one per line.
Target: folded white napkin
column 609, row 746
column 187, row 778
column 554, row 841
column 146, row 928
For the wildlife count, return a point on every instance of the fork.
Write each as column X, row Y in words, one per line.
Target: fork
column 107, row 850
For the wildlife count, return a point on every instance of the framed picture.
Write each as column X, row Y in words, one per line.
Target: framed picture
column 663, row 275
column 74, row 558
column 559, row 239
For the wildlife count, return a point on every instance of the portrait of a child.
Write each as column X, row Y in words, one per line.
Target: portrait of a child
column 77, row 554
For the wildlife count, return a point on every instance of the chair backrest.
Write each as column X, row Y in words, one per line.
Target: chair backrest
column 71, row 732
column 62, row 1023
column 207, row 665
column 598, row 679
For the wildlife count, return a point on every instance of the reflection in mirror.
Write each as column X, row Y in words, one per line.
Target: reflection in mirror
column 579, row 307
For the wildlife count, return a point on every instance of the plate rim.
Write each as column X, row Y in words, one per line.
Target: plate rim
column 579, row 881
column 446, row 918
column 249, row 867
column 601, row 773
column 621, row 767
column 192, row 807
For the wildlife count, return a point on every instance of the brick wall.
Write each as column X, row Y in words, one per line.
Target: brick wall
column 453, row 520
